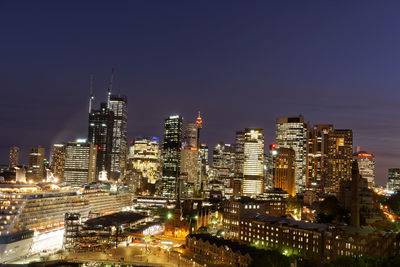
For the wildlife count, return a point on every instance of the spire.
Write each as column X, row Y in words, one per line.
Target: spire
column 91, row 96
column 199, row 121
column 110, row 88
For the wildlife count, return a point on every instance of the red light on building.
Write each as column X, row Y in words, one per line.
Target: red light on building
column 367, row 155
column 272, row 146
column 99, row 147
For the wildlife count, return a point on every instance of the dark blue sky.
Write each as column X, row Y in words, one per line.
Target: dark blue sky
column 242, row 64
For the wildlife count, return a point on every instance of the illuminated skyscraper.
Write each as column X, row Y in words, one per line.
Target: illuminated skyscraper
column 118, row 105
column 285, row 170
column 339, row 158
column 146, row 158
column 317, row 148
column 36, row 164
column 190, row 134
column 393, row 183
column 14, row 157
column 239, row 154
column 171, row 155
column 223, row 158
column 291, row 132
column 366, row 166
column 253, row 164
column 58, row 161
column 101, row 125
column 269, row 167
column 80, row 163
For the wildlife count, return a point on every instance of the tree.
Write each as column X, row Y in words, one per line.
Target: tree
column 270, row 258
column 330, row 210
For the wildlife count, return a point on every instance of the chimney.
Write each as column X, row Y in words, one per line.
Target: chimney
column 355, row 195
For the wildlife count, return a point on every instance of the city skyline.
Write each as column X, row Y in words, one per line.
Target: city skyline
column 256, row 65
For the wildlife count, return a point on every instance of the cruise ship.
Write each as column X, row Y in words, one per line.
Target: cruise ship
column 32, row 216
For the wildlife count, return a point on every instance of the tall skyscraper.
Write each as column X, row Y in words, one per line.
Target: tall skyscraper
column 253, row 164
column 118, row 105
column 393, row 183
column 14, row 157
column 239, row 154
column 269, row 167
column 190, row 135
column 171, row 155
column 285, row 170
column 101, row 125
column 36, row 170
column 316, row 157
column 291, row 132
column 146, row 158
column 58, row 161
column 366, row 166
column 223, row 158
column 339, row 158
column 80, row 163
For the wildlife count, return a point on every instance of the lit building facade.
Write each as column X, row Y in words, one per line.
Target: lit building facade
column 13, row 157
column 171, row 155
column 316, row 157
column 393, row 183
column 291, row 132
column 118, row 105
column 253, row 164
column 366, row 166
column 36, row 170
column 339, row 159
column 80, row 163
column 58, row 161
column 285, row 161
column 239, row 154
column 223, row 160
column 101, row 125
column 146, row 158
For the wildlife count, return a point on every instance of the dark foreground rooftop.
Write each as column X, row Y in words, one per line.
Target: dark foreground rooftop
column 116, row 219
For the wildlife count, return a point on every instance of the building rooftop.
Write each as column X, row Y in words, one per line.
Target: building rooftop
column 290, row 222
column 116, row 219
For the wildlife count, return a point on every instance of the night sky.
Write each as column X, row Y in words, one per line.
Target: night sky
column 242, row 64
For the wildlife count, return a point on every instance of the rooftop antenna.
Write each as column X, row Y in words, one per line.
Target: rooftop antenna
column 110, row 88
column 91, row 97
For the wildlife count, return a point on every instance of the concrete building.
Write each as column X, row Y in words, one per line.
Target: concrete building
column 235, row 210
column 366, row 165
column 58, row 161
column 338, row 159
column 291, row 132
column 36, row 170
column 393, row 183
column 80, row 163
column 13, row 157
column 285, row 161
column 316, row 157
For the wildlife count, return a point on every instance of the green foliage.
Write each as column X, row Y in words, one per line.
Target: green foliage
column 162, row 212
column 270, row 258
column 363, row 261
column 393, row 202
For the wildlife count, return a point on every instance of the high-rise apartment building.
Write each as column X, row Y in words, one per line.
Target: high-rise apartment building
column 366, row 166
column 80, row 163
column 14, row 157
column 146, row 158
column 171, row 155
column 101, row 125
column 291, row 132
column 393, row 183
column 285, row 161
column 118, row 105
column 36, row 170
column 316, row 157
column 339, row 158
column 58, row 161
column 253, row 164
